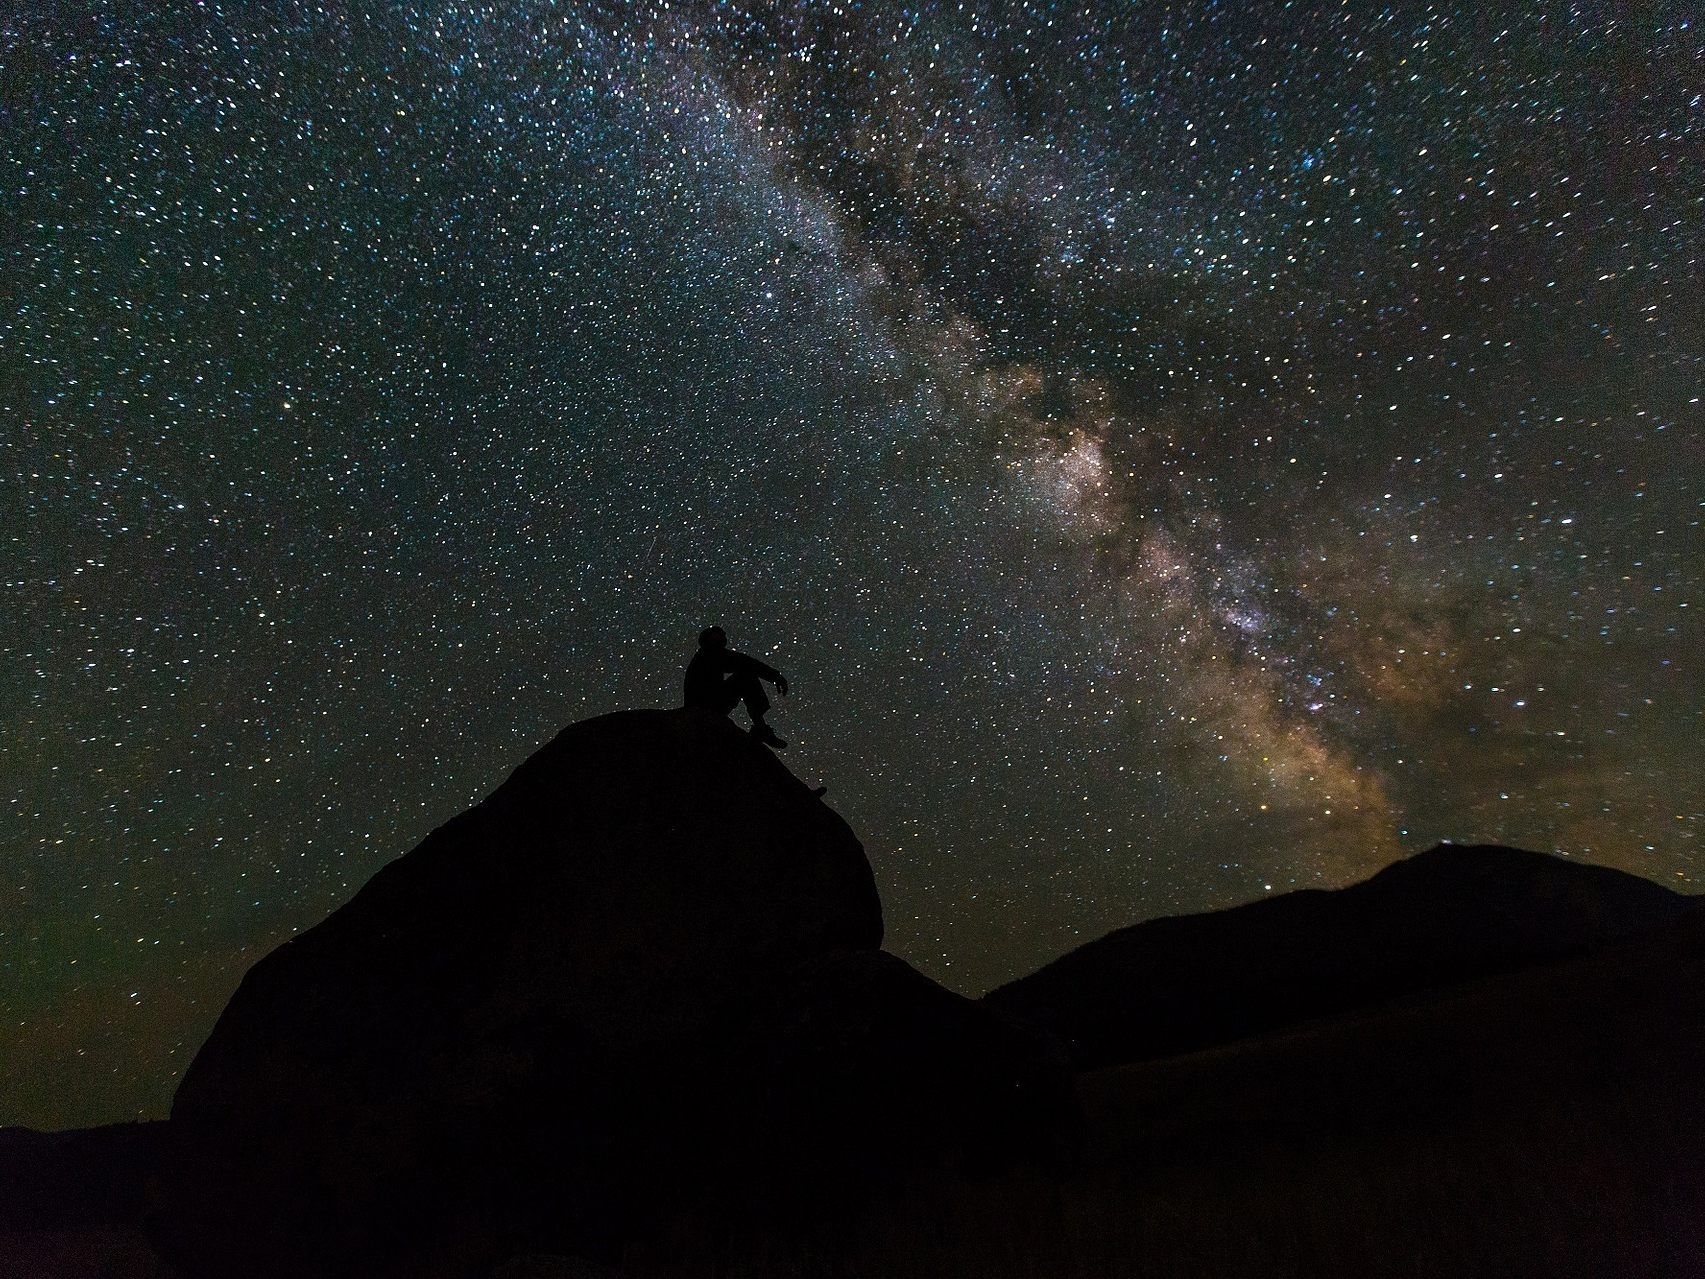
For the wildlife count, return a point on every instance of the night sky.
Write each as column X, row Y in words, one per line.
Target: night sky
column 1177, row 452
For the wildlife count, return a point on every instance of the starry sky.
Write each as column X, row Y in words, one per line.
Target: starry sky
column 1177, row 452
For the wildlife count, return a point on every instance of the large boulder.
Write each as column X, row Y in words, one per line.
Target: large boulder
column 858, row 1053
column 493, row 1039
column 632, row 996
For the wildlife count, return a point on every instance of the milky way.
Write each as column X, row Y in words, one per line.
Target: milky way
column 1177, row 452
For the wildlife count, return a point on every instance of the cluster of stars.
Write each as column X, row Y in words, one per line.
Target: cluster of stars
column 1178, row 453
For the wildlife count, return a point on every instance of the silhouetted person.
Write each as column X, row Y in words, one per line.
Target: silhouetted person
column 719, row 679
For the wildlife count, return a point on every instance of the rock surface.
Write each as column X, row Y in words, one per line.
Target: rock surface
column 861, row 1054
column 1455, row 912
column 621, row 881
column 625, row 975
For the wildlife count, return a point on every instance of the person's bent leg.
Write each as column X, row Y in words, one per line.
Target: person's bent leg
column 757, row 702
column 728, row 697
column 750, row 690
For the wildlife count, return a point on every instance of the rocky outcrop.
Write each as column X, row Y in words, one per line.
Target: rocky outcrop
column 645, row 964
column 861, row 1054
column 622, row 880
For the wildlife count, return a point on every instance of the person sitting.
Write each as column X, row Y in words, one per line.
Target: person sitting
column 719, row 679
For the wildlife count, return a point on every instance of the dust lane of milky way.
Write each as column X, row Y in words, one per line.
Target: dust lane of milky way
column 1177, row 452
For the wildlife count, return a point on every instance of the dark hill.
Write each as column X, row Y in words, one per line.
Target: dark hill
column 1455, row 912
column 1545, row 1122
column 644, row 966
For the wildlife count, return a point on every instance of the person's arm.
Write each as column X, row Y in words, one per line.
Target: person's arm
column 761, row 669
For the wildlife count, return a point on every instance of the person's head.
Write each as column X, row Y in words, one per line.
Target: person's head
column 713, row 637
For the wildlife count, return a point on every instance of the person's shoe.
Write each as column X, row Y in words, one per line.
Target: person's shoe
column 767, row 735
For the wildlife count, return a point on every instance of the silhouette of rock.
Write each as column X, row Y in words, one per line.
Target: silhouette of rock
column 53, row 1180
column 1178, row 984
column 861, row 1054
column 553, row 1267
column 619, row 882
column 638, row 964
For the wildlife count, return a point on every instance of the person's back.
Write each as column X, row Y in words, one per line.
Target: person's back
column 719, row 679
column 703, row 684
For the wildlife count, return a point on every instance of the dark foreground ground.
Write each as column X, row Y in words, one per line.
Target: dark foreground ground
column 630, row 1016
column 1546, row 1122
